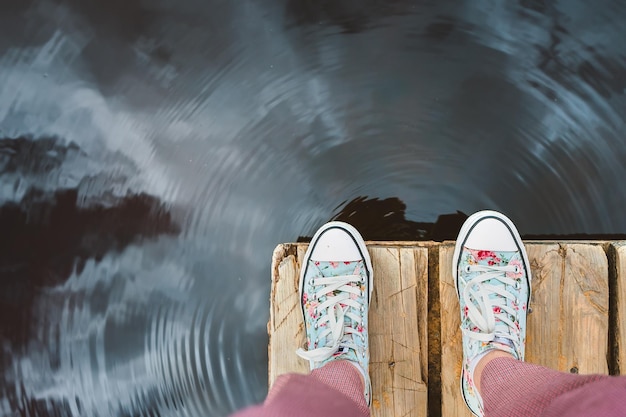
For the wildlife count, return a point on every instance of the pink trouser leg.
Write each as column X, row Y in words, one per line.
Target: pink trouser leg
column 335, row 389
column 511, row 388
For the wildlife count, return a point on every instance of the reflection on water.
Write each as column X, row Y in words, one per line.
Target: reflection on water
column 152, row 154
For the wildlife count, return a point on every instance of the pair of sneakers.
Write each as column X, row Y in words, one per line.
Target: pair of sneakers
column 492, row 275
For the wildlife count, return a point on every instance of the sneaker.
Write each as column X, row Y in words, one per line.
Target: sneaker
column 336, row 283
column 492, row 275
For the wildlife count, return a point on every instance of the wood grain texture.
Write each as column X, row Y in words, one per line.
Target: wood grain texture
column 398, row 331
column 285, row 328
column 568, row 328
column 398, row 325
column 452, row 403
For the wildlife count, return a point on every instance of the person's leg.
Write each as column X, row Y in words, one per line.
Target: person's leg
column 336, row 282
column 510, row 387
column 335, row 389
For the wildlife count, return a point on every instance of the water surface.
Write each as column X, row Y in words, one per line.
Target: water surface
column 153, row 153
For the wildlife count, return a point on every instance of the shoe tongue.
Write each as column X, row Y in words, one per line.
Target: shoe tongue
column 504, row 341
column 342, row 349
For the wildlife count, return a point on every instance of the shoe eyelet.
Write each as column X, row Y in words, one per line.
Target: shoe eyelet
column 467, row 269
column 362, row 279
column 362, row 337
column 312, row 282
column 516, row 270
column 518, row 285
column 315, row 326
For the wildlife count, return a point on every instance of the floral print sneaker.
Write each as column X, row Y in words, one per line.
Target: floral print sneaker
column 492, row 275
column 336, row 282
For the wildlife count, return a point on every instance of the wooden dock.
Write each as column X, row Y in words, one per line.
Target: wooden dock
column 576, row 325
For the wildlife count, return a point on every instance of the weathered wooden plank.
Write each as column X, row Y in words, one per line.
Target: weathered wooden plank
column 398, row 325
column 285, row 327
column 618, row 308
column 452, row 403
column 568, row 329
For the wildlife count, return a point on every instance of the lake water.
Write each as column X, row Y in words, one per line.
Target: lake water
column 153, row 153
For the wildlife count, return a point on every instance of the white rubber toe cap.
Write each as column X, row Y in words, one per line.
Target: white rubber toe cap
column 491, row 234
column 335, row 244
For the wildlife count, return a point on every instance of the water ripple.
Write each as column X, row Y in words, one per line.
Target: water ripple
column 152, row 156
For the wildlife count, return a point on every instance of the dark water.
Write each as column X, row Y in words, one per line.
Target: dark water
column 153, row 153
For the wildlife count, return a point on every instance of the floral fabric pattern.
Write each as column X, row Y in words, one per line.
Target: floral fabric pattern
column 311, row 302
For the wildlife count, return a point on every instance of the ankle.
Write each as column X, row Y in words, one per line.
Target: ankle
column 361, row 372
column 484, row 361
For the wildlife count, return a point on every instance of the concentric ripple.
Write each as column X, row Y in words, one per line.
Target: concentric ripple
column 152, row 155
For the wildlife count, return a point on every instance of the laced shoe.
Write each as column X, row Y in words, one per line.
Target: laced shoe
column 336, row 282
column 492, row 275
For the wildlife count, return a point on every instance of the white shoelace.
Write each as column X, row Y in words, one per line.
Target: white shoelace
column 480, row 305
column 338, row 331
